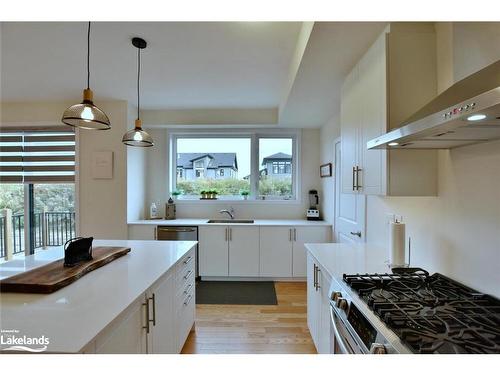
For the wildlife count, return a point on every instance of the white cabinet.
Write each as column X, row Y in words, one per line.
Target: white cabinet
column 213, row 251
column 395, row 77
column 313, row 310
column 162, row 326
column 229, row 251
column 282, row 250
column 127, row 334
column 318, row 305
column 276, row 247
column 301, row 236
column 158, row 322
column 243, row 242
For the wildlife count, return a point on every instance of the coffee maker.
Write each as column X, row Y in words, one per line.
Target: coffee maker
column 313, row 211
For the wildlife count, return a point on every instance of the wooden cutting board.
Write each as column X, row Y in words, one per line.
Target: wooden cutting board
column 54, row 276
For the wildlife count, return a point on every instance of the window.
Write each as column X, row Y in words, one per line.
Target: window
column 276, row 174
column 37, row 171
column 205, row 161
column 234, row 165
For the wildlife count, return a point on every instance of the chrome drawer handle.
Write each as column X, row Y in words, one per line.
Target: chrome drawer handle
column 188, row 289
column 187, row 274
column 189, row 258
column 186, row 302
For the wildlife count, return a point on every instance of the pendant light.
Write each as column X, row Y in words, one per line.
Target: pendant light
column 138, row 137
column 86, row 115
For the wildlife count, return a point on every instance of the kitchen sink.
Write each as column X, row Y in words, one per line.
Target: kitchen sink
column 229, row 221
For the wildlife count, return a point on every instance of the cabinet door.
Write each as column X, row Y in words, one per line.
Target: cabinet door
column 301, row 236
column 276, row 251
column 373, row 110
column 129, row 336
column 349, row 131
column 161, row 311
column 350, row 210
column 213, row 251
column 324, row 314
column 312, row 301
column 244, row 251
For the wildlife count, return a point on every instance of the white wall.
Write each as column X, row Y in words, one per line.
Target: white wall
column 328, row 134
column 158, row 182
column 456, row 233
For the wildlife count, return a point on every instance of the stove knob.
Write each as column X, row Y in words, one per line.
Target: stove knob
column 342, row 304
column 336, row 295
column 378, row 349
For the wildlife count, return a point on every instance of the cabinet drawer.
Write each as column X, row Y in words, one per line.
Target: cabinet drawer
column 186, row 266
column 184, row 287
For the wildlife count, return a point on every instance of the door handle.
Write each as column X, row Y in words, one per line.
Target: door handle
column 353, row 174
column 146, row 304
column 175, row 230
column 358, row 169
column 317, row 278
column 295, row 234
column 314, row 276
column 290, row 234
column 356, row 234
column 154, row 309
column 226, row 235
column 230, row 234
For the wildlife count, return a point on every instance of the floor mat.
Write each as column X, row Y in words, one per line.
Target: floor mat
column 236, row 293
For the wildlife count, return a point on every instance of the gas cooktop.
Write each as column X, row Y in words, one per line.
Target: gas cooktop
column 431, row 313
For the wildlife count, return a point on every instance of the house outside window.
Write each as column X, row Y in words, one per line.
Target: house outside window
column 229, row 163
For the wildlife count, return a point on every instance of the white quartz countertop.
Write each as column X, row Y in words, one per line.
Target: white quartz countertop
column 340, row 258
column 258, row 222
column 73, row 316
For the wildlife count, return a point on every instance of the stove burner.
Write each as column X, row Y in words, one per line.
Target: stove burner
column 432, row 314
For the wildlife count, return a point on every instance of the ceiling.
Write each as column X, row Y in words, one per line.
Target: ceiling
column 187, row 65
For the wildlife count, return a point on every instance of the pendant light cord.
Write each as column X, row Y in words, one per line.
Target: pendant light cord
column 138, row 81
column 88, row 57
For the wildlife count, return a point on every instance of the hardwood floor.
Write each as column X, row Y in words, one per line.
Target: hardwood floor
column 247, row 329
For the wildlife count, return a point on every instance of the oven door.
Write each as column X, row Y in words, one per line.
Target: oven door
column 341, row 341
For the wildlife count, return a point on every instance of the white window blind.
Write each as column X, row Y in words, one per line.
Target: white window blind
column 37, row 156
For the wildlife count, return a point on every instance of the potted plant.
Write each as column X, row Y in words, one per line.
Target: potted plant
column 176, row 194
column 245, row 194
column 213, row 194
column 204, row 194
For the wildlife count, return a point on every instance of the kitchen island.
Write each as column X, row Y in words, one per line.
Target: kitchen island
column 143, row 302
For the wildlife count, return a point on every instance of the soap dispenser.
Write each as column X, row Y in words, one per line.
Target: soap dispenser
column 170, row 210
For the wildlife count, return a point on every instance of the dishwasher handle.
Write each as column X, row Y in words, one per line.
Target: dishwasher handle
column 175, row 230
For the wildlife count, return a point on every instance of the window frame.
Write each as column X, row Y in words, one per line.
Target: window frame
column 254, row 135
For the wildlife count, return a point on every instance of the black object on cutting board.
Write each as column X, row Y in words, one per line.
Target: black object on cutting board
column 76, row 250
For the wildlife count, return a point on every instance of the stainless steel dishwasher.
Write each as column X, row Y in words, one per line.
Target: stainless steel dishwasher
column 171, row 233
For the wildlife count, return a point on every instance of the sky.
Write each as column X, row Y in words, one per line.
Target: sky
column 241, row 146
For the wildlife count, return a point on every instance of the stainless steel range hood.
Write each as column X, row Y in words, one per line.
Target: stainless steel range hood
column 468, row 112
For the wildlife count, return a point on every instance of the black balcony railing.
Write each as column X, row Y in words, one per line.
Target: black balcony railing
column 50, row 229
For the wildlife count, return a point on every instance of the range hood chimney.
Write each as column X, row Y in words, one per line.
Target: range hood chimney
column 466, row 113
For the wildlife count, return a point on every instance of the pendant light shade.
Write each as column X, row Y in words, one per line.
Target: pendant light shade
column 86, row 115
column 138, row 137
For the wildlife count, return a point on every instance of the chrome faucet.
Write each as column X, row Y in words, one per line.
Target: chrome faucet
column 230, row 212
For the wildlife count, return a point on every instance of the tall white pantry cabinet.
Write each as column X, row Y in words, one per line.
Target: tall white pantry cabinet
column 394, row 78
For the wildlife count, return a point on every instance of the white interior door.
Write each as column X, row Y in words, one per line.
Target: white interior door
column 350, row 209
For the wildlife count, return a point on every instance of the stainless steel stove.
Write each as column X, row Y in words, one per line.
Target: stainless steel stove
column 410, row 311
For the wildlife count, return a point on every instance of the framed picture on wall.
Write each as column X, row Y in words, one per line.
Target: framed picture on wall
column 102, row 165
column 325, row 170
